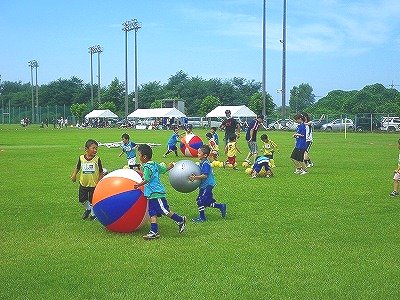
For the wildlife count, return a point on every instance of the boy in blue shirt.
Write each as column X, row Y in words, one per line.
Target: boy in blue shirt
column 297, row 155
column 129, row 148
column 205, row 198
column 171, row 144
column 214, row 134
column 261, row 162
column 154, row 191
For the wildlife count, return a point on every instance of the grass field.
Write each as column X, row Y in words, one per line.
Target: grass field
column 331, row 234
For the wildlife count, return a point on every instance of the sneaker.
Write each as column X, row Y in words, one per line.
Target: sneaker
column 254, row 176
column 394, row 194
column 164, row 156
column 310, row 165
column 151, row 236
column 182, row 225
column 223, row 211
column 92, row 218
column 303, row 172
column 86, row 214
column 298, row 171
column 198, row 220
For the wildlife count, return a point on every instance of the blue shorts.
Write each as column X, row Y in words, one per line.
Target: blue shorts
column 258, row 167
column 158, row 206
column 205, row 197
column 172, row 148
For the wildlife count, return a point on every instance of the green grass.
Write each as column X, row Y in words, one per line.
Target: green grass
column 331, row 234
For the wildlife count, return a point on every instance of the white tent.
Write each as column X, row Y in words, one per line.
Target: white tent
column 236, row 111
column 98, row 113
column 156, row 113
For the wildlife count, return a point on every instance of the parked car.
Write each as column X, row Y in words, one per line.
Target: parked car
column 317, row 124
column 286, row 124
column 338, row 125
column 390, row 124
column 196, row 122
column 366, row 124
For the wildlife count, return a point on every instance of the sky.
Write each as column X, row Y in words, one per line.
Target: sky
column 330, row 44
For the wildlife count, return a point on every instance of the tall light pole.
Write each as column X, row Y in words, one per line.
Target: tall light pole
column 2, row 103
column 129, row 26
column 136, row 26
column 34, row 64
column 95, row 49
column 283, row 41
column 264, row 81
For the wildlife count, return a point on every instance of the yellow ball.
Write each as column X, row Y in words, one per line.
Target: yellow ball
column 262, row 173
column 248, row 171
column 245, row 164
column 215, row 163
column 221, row 164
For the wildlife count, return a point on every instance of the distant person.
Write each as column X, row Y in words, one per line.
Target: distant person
column 396, row 176
column 155, row 193
column 269, row 148
column 261, row 162
column 207, row 183
column 309, row 139
column 173, row 140
column 230, row 125
column 214, row 133
column 251, row 137
column 297, row 155
column 91, row 171
column 129, row 148
column 231, row 151
column 213, row 146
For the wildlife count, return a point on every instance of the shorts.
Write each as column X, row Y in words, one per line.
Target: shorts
column 298, row 154
column 85, row 194
column 131, row 161
column 396, row 176
column 309, row 143
column 205, row 197
column 231, row 160
column 253, row 147
column 172, row 148
column 158, row 206
column 258, row 167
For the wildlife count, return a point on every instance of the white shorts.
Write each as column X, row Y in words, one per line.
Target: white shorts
column 396, row 176
column 132, row 161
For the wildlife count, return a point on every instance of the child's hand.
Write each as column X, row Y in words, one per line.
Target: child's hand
column 192, row 177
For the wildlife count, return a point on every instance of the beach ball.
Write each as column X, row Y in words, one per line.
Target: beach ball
column 190, row 144
column 117, row 205
column 179, row 176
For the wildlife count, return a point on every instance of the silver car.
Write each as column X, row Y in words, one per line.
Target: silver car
column 338, row 125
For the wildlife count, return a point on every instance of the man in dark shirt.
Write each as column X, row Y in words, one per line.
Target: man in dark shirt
column 230, row 125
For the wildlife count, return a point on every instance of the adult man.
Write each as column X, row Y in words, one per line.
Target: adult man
column 230, row 125
column 251, row 137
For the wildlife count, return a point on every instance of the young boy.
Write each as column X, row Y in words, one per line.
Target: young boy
column 231, row 149
column 300, row 147
column 171, row 144
column 129, row 148
column 261, row 162
column 396, row 176
column 269, row 148
column 213, row 131
column 213, row 146
column 91, row 171
column 154, row 191
column 205, row 197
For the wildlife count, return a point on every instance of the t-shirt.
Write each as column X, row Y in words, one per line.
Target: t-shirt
column 151, row 173
column 231, row 149
column 90, row 170
column 252, row 126
column 301, row 140
column 129, row 149
column 230, row 126
column 205, row 168
column 173, row 139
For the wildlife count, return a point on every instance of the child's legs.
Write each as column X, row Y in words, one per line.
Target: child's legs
column 396, row 179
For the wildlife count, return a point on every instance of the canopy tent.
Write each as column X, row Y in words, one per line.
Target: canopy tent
column 156, row 113
column 101, row 113
column 236, row 111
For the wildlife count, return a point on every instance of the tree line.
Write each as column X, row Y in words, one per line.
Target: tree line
column 201, row 96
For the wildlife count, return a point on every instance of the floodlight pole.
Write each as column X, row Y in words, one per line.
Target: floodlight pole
column 99, row 50
column 91, row 75
column 284, row 61
column 34, row 64
column 264, row 81
column 136, row 25
column 95, row 49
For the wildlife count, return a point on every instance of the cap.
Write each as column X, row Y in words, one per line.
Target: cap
column 227, row 112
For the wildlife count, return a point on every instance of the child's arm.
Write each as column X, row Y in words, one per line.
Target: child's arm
column 194, row 177
column 73, row 175
column 137, row 185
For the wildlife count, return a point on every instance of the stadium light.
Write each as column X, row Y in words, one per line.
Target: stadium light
column 129, row 26
column 33, row 64
column 95, row 49
column 264, row 80
column 283, row 41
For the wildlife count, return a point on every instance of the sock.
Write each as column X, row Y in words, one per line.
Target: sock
column 87, row 205
column 201, row 212
column 216, row 205
column 154, row 227
column 176, row 218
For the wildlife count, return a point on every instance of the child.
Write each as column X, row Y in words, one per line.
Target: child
column 309, row 139
column 213, row 146
column 189, row 129
column 154, row 191
column 205, row 198
column 214, row 134
column 171, row 144
column 129, row 148
column 261, row 162
column 91, row 171
column 300, row 147
column 231, row 149
column 269, row 148
column 396, row 176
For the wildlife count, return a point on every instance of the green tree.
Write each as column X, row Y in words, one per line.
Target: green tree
column 256, row 103
column 149, row 92
column 208, row 104
column 301, row 97
column 115, row 92
column 108, row 105
column 78, row 110
column 156, row 104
